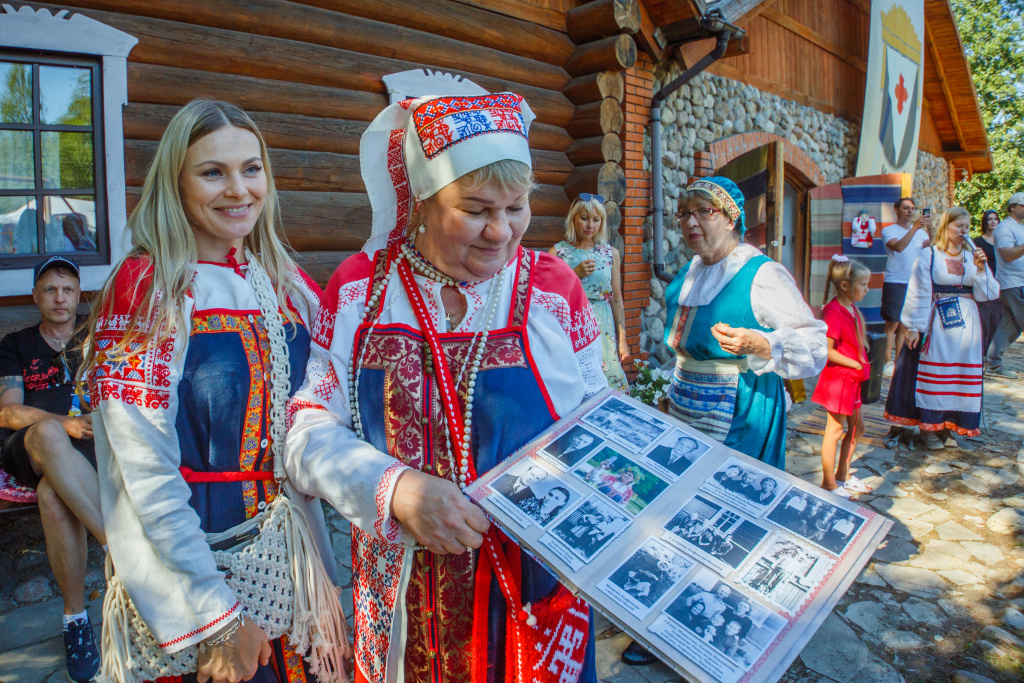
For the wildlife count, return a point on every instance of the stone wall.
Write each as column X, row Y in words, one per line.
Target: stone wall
column 931, row 183
column 710, row 108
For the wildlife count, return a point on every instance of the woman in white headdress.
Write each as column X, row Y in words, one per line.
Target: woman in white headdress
column 440, row 349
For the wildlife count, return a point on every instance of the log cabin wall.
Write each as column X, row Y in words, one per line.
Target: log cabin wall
column 309, row 73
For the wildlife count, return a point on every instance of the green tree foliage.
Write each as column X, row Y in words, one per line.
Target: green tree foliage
column 993, row 35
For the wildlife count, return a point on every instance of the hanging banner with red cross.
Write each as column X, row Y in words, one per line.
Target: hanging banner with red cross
column 892, row 99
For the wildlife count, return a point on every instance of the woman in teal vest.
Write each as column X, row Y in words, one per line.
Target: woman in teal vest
column 738, row 325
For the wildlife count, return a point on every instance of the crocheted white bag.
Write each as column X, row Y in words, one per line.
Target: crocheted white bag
column 279, row 577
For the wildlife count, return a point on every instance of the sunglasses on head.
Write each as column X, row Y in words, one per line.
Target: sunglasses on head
column 586, row 197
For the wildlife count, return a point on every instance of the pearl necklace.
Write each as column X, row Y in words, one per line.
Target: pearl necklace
column 479, row 340
column 426, row 268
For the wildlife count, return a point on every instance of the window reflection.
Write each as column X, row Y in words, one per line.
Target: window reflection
column 65, row 96
column 15, row 93
column 70, row 223
column 67, row 160
column 18, row 233
column 17, row 163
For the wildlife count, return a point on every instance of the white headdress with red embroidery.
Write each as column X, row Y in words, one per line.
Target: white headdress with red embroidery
column 416, row 147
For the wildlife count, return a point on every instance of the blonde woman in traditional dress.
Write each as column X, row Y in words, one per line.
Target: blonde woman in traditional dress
column 938, row 384
column 598, row 266
column 179, row 364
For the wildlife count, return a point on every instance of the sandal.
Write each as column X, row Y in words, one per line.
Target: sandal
column 854, row 484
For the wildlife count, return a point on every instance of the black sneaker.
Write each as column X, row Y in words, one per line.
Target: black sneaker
column 82, row 655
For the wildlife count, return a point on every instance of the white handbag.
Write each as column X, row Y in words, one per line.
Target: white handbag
column 272, row 563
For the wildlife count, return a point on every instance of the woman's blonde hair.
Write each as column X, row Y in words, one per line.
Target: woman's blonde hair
column 508, row 175
column 593, row 207
column 940, row 236
column 847, row 271
column 162, row 235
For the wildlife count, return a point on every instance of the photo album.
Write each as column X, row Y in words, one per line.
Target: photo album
column 721, row 565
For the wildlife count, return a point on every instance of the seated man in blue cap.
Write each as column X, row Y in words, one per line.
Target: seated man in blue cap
column 46, row 443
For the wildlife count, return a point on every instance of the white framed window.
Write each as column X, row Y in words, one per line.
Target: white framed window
column 63, row 84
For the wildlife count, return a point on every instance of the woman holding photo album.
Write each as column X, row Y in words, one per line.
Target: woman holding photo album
column 442, row 348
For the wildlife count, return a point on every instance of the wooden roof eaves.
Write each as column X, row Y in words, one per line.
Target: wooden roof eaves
column 954, row 72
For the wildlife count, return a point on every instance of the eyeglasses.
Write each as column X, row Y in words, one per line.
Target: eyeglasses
column 705, row 213
column 585, row 197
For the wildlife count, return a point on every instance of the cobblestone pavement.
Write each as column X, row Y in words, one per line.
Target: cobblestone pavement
column 941, row 600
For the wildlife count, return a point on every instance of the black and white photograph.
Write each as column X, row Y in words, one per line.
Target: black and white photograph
column 646, row 577
column 786, row 573
column 588, row 529
column 569, row 448
column 745, row 487
column 624, row 481
column 675, row 454
column 531, row 494
column 630, row 425
column 723, row 618
column 816, row 520
column 717, row 535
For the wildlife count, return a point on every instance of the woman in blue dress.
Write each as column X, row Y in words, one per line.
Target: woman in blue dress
column 738, row 325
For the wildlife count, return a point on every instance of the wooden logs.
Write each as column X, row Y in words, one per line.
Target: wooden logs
column 549, row 200
column 617, row 53
column 594, row 87
column 288, row 131
column 326, row 171
column 595, row 150
column 545, row 136
column 462, row 22
column 189, row 46
column 607, row 180
column 602, row 18
column 177, row 86
column 596, row 118
column 614, row 218
column 308, row 25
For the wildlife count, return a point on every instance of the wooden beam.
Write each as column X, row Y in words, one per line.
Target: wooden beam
column 738, row 47
column 528, row 10
column 652, row 40
column 617, row 53
column 863, row 5
column 600, row 18
column 967, row 156
column 950, row 101
column 594, row 87
column 812, row 36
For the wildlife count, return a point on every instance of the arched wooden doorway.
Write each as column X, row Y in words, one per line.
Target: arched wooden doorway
column 774, row 180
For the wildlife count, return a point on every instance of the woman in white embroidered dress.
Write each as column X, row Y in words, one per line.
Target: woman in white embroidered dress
column 938, row 385
column 178, row 364
column 440, row 350
column 598, row 266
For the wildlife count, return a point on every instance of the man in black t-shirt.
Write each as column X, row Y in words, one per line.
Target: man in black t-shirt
column 47, row 444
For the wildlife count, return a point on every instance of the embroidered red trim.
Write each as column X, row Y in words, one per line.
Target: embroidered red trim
column 190, row 634
column 381, row 498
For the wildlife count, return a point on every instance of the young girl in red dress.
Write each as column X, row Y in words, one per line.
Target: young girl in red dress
column 838, row 389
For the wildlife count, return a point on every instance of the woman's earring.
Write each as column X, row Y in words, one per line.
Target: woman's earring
column 422, row 228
